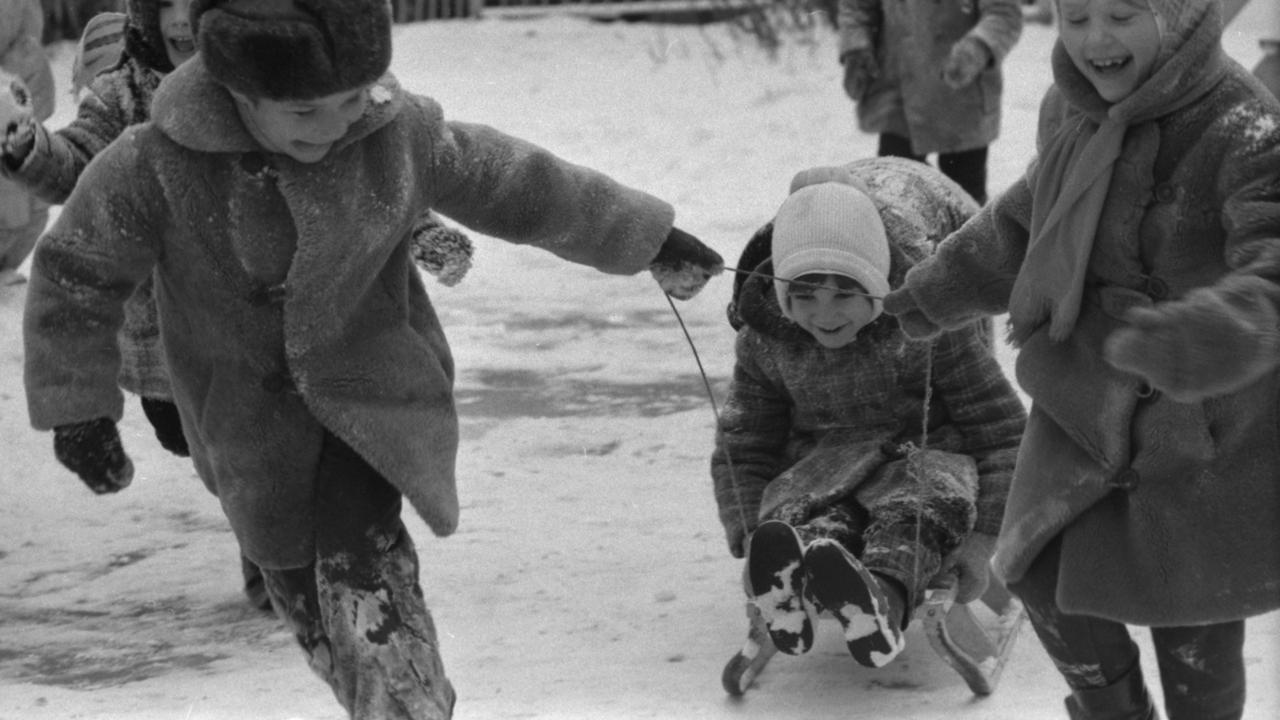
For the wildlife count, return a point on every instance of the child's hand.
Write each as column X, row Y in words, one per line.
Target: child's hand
column 902, row 304
column 1210, row 343
column 859, row 70
column 92, row 450
column 17, row 125
column 969, row 57
column 684, row 265
column 971, row 563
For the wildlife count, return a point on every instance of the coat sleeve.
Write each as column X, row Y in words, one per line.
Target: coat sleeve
column 858, row 25
column 984, row 407
column 56, row 159
column 755, row 425
column 513, row 190
column 102, row 246
column 999, row 26
column 25, row 57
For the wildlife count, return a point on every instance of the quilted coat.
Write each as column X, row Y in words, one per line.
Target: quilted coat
column 793, row 400
column 911, row 40
column 288, row 302
column 117, row 99
column 1169, row 511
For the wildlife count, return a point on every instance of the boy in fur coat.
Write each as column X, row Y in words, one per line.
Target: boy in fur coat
column 852, row 466
column 1139, row 261
column 272, row 194
column 152, row 39
column 26, row 88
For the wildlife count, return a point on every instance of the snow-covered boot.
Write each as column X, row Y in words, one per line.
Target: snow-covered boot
column 775, row 572
column 1125, row 699
column 872, row 621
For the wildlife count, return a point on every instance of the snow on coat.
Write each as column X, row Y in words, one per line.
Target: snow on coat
column 288, row 300
column 1169, row 511
column 793, row 403
column 912, row 40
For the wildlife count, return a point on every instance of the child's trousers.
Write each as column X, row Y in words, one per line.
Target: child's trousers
column 1201, row 667
column 359, row 612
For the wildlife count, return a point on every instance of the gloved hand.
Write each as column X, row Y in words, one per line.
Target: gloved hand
column 1198, row 347
column 17, row 125
column 92, row 450
column 683, row 265
column 441, row 250
column 164, row 418
column 859, row 70
column 902, row 304
column 969, row 57
column 971, row 563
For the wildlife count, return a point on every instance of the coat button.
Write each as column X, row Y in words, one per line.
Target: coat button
column 1126, row 479
column 1166, row 193
column 276, row 382
column 1156, row 288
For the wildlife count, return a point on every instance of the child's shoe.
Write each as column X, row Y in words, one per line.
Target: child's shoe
column 775, row 571
column 842, row 586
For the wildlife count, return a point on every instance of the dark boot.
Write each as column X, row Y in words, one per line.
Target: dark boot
column 842, row 586
column 775, row 571
column 1125, row 699
column 255, row 588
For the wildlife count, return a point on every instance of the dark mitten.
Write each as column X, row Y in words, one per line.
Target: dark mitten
column 93, row 451
column 859, row 70
column 1211, row 343
column 163, row 416
column 902, row 304
column 441, row 250
column 684, row 264
column 968, row 58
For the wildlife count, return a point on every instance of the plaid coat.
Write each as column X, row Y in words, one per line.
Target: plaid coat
column 791, row 399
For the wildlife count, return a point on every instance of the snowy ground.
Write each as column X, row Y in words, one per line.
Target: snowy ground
column 589, row 577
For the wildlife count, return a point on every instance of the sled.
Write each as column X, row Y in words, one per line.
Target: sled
column 976, row 649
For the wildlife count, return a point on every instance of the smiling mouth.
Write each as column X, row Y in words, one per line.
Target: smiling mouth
column 183, row 44
column 1109, row 66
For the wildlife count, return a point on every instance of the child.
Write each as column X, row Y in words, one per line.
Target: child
column 925, row 75
column 123, row 58
column 22, row 217
column 859, row 465
column 1138, row 259
column 272, row 194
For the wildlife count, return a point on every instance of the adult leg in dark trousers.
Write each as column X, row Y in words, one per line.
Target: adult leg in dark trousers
column 1201, row 668
column 358, row 612
column 968, row 168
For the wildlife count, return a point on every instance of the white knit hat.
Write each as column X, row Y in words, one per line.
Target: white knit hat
column 831, row 227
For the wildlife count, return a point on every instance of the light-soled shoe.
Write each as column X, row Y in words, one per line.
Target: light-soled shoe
column 850, row 592
column 775, row 572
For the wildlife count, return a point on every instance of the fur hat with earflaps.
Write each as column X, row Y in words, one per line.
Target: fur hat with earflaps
column 293, row 49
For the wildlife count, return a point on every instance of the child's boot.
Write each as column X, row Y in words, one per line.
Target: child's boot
column 775, row 572
column 1125, row 699
column 870, row 615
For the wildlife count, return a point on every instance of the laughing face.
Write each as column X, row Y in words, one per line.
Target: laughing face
column 1114, row 43
column 831, row 308
column 175, row 28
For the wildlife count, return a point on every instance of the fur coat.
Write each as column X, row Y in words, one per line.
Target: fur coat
column 837, row 416
column 1169, row 510
column 288, row 300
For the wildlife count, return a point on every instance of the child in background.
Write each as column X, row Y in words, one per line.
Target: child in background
column 273, row 194
column 22, row 57
column 925, row 75
column 852, row 466
column 1139, row 261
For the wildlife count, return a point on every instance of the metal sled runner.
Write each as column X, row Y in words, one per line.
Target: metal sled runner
column 976, row 650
